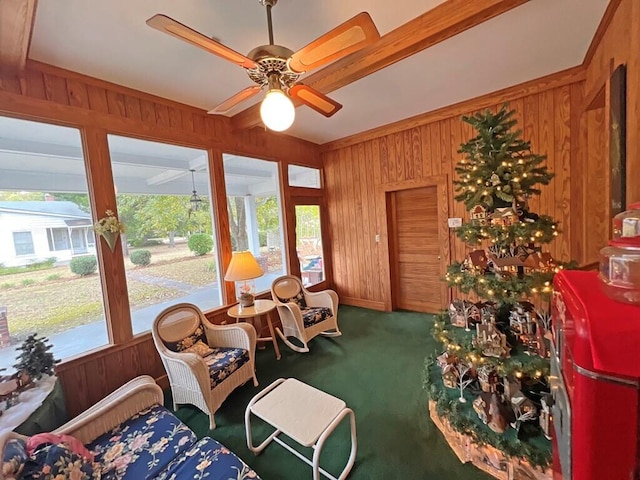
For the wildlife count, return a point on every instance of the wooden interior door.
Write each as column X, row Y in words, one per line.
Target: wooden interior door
column 417, row 249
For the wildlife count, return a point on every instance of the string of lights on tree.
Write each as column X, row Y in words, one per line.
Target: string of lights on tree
column 497, row 348
column 454, row 341
column 499, row 171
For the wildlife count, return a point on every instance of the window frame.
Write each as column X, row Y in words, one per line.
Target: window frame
column 282, row 187
column 210, row 164
column 52, row 242
column 15, row 245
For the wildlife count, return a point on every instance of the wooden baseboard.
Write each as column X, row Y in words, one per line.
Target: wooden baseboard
column 359, row 302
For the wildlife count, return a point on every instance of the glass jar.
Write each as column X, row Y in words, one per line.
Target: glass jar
column 620, row 261
column 627, row 224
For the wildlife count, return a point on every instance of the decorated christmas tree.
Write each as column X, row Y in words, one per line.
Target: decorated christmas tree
column 35, row 358
column 498, row 334
column 496, row 179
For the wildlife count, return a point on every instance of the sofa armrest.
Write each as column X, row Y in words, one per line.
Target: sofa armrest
column 140, row 393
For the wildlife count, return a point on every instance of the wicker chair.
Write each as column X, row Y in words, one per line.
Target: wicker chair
column 304, row 315
column 204, row 362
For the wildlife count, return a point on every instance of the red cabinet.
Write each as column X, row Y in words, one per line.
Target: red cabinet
column 595, row 381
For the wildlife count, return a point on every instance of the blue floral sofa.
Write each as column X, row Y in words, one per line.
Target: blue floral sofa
column 132, row 436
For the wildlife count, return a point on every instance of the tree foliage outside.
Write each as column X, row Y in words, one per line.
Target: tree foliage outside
column 268, row 218
column 162, row 216
column 238, row 223
column 307, row 221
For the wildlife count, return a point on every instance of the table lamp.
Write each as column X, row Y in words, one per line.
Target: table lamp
column 242, row 269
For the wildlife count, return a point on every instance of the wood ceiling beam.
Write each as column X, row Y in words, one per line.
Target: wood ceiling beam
column 16, row 26
column 438, row 24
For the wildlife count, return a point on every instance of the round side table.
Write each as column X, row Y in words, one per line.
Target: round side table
column 259, row 308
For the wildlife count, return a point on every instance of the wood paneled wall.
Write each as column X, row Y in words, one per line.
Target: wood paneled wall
column 96, row 107
column 617, row 41
column 63, row 96
column 358, row 168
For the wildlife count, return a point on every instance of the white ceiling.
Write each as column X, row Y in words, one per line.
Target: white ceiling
column 110, row 40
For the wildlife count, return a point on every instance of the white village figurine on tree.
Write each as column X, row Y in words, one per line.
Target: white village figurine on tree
column 463, row 371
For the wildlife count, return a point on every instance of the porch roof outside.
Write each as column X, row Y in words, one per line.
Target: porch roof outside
column 49, row 158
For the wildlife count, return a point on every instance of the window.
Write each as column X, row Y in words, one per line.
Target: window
column 255, row 218
column 304, row 177
column 58, row 239
column 43, row 202
column 169, row 248
column 309, row 244
column 23, row 243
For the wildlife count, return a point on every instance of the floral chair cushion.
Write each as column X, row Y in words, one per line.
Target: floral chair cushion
column 297, row 299
column 198, row 335
column 142, row 446
column 223, row 362
column 311, row 316
column 207, row 459
column 58, row 461
column 14, row 458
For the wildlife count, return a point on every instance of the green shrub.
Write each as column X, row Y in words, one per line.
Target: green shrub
column 140, row 257
column 55, row 276
column 11, row 270
column 8, row 285
column 85, row 265
column 27, row 281
column 200, row 243
column 42, row 264
column 211, row 266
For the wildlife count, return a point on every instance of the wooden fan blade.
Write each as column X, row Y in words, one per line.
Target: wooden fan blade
column 239, row 97
column 347, row 38
column 314, row 99
column 172, row 27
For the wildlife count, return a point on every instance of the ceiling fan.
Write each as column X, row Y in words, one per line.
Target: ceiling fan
column 278, row 68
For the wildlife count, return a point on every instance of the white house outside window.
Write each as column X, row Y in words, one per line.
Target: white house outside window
column 49, row 275
column 23, row 243
column 58, row 239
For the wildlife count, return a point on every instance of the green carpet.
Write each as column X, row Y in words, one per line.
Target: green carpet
column 376, row 367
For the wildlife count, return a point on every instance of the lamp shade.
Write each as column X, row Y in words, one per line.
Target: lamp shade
column 243, row 266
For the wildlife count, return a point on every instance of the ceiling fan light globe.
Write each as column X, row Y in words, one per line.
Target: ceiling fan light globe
column 277, row 111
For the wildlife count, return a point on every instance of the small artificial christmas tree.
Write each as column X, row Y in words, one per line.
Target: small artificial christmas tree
column 35, row 359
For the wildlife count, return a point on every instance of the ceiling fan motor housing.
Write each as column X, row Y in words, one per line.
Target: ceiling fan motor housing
column 271, row 59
